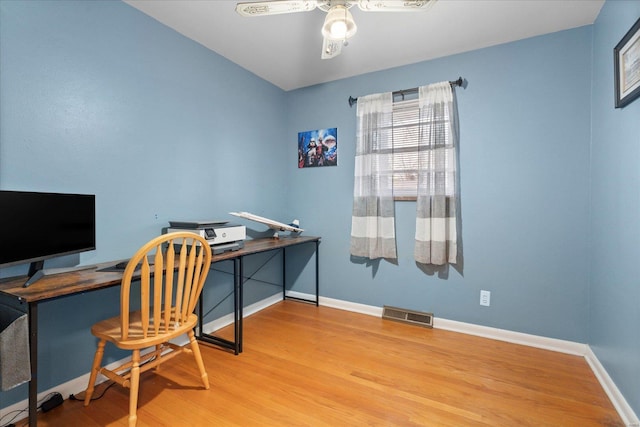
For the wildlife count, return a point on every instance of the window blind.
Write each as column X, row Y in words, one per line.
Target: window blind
column 407, row 129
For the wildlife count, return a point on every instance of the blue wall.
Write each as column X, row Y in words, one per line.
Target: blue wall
column 524, row 160
column 614, row 313
column 97, row 97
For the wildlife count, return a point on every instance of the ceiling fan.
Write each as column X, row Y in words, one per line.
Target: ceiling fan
column 338, row 25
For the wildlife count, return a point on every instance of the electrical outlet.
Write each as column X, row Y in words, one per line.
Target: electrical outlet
column 485, row 298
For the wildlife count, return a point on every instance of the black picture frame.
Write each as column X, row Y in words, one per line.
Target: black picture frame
column 626, row 57
column 318, row 148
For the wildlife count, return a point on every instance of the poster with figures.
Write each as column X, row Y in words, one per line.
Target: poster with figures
column 318, row 148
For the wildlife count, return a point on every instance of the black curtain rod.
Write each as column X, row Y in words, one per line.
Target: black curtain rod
column 404, row 92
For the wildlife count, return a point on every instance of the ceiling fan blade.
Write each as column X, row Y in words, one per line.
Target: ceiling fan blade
column 276, row 7
column 394, row 5
column 331, row 48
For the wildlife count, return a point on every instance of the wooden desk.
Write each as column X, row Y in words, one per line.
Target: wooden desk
column 71, row 283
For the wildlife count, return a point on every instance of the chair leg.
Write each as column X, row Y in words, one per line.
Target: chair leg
column 196, row 353
column 135, row 384
column 97, row 360
column 158, row 355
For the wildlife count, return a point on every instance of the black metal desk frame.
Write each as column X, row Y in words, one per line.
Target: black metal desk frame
column 238, row 282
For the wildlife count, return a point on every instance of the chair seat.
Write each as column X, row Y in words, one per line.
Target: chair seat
column 109, row 329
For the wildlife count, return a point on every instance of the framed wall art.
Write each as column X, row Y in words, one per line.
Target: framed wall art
column 318, row 148
column 626, row 56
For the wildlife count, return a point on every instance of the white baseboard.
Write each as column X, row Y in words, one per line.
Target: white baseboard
column 349, row 306
column 625, row 411
column 627, row 414
column 553, row 344
column 227, row 320
column 562, row 346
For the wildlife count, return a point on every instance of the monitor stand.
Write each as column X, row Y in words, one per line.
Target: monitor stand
column 37, row 271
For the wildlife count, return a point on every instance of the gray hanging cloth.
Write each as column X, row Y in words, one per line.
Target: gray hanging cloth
column 15, row 367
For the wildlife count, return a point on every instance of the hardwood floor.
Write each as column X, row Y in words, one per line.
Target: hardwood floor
column 315, row 366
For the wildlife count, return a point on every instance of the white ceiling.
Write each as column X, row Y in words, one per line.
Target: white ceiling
column 285, row 49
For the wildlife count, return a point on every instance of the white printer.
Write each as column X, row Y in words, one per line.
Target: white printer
column 220, row 235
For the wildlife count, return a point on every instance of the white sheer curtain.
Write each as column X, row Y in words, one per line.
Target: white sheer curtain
column 373, row 218
column 436, row 218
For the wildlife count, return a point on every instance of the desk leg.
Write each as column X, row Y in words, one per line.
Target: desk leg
column 284, row 273
column 33, row 360
column 236, row 344
column 239, row 305
column 284, row 277
column 317, row 273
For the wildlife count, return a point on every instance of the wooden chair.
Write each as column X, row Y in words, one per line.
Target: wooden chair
column 169, row 291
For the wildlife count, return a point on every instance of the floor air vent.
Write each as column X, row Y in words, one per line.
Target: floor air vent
column 408, row 316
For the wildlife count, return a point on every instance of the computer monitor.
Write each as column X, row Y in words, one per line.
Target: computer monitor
column 37, row 226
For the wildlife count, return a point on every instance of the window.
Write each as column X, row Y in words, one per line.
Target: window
column 406, row 150
column 407, row 128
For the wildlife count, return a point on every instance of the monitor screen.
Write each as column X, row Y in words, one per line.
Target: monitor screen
column 37, row 226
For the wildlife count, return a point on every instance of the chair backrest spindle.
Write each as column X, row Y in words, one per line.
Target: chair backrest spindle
column 164, row 299
column 168, row 292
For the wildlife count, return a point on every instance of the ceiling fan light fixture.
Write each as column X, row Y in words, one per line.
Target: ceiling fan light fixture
column 339, row 24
